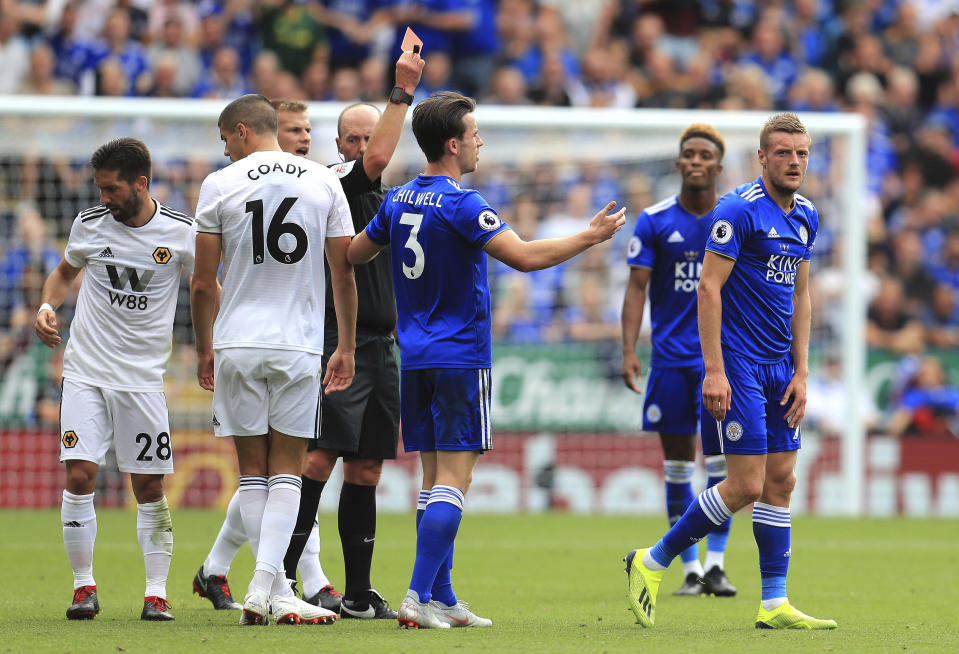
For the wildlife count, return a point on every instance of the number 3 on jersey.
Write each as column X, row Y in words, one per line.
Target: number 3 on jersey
column 276, row 230
column 414, row 219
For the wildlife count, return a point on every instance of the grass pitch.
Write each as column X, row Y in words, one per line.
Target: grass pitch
column 550, row 583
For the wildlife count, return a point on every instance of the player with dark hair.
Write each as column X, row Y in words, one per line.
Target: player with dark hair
column 360, row 424
column 439, row 234
column 666, row 255
column 120, row 340
column 271, row 215
column 754, row 315
column 210, row 581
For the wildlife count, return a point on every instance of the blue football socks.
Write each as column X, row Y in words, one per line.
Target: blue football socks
column 679, row 495
column 702, row 516
column 434, row 544
column 772, row 528
column 716, row 547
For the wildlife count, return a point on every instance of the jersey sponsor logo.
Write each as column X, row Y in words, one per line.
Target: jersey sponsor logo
column 675, row 237
column 734, row 431
column 686, row 275
column 634, row 248
column 773, row 233
column 162, row 255
column 105, row 253
column 781, row 269
column 138, row 280
column 70, row 439
column 803, row 234
column 488, row 220
column 722, row 231
column 343, row 169
column 654, row 413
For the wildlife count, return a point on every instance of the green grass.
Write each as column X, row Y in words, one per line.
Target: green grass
column 551, row 583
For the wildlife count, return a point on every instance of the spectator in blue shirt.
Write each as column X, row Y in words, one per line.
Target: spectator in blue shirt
column 770, row 54
column 224, row 79
column 128, row 54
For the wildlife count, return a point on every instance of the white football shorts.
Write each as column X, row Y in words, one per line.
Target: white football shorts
column 259, row 388
column 137, row 425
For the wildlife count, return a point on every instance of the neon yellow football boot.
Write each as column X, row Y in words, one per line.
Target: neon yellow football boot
column 642, row 585
column 786, row 616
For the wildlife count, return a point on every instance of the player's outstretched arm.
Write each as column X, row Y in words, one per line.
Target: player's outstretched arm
column 632, row 320
column 717, row 394
column 54, row 292
column 545, row 253
column 802, row 314
column 204, row 297
column 362, row 249
column 386, row 134
column 339, row 369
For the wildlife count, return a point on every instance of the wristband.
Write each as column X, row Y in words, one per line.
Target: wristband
column 45, row 307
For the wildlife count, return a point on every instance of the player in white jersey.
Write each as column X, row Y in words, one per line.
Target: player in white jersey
column 271, row 215
column 133, row 250
column 210, row 581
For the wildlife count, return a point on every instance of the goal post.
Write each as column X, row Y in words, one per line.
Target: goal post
column 547, row 148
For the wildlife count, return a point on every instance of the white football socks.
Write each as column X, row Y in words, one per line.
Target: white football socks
column 79, row 535
column 252, row 500
column 279, row 518
column 228, row 542
column 155, row 533
column 311, row 570
column 715, row 560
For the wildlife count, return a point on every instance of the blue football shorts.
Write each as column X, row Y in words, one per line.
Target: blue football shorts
column 755, row 422
column 674, row 397
column 445, row 409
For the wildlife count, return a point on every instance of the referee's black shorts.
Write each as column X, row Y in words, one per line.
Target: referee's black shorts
column 362, row 422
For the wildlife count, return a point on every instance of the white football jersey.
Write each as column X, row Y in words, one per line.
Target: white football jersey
column 274, row 212
column 122, row 333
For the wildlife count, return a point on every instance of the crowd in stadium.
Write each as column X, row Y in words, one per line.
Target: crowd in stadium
column 895, row 62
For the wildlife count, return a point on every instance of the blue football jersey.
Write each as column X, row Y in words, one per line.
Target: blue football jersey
column 768, row 245
column 436, row 231
column 671, row 242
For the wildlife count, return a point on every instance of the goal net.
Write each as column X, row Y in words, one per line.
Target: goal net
column 566, row 430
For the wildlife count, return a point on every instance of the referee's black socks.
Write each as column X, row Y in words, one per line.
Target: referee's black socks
column 305, row 517
column 357, row 525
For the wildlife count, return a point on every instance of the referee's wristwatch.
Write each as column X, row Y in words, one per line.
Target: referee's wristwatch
column 398, row 95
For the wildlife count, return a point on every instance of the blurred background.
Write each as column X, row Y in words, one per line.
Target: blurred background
column 566, row 428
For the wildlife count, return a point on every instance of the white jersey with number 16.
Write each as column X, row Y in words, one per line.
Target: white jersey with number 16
column 274, row 211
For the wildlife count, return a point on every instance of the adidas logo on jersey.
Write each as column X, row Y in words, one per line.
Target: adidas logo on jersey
column 106, row 252
column 773, row 233
column 675, row 237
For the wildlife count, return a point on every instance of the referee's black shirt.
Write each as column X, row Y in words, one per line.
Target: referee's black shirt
column 376, row 308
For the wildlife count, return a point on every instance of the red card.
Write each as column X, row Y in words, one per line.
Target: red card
column 411, row 42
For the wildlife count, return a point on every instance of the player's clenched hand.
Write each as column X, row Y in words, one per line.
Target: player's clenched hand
column 632, row 371
column 339, row 372
column 204, row 370
column 717, row 395
column 797, row 390
column 409, row 67
column 604, row 224
column 46, row 328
